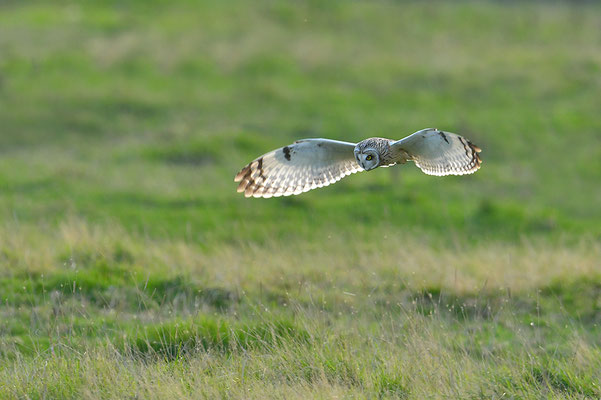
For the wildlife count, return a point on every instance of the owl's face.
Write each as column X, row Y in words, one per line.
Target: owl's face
column 367, row 158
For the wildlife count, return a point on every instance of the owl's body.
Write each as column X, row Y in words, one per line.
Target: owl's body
column 311, row 163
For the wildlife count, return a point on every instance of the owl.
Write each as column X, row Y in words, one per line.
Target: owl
column 313, row 163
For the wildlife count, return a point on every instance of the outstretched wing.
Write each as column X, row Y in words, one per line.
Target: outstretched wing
column 304, row 165
column 439, row 153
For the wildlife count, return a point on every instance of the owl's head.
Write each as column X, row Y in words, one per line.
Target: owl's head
column 368, row 158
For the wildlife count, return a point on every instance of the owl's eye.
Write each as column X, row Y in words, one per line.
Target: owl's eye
column 369, row 157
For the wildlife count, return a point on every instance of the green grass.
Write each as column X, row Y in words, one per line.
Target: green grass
column 130, row 267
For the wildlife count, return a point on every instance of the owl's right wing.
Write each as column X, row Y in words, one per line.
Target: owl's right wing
column 304, row 165
column 439, row 153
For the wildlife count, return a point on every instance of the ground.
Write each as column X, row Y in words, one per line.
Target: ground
column 131, row 268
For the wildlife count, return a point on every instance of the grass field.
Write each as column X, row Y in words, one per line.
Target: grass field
column 131, row 268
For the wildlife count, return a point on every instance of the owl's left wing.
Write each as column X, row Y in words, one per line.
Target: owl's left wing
column 439, row 153
column 304, row 165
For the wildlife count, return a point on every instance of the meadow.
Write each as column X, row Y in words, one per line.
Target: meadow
column 131, row 268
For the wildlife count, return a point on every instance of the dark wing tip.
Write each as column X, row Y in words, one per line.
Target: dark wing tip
column 248, row 178
column 243, row 172
column 475, row 157
column 474, row 147
column 471, row 152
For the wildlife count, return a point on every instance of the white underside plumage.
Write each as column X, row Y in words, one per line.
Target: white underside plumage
column 304, row 165
column 440, row 153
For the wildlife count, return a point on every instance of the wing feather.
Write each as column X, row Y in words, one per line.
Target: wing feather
column 440, row 153
column 304, row 165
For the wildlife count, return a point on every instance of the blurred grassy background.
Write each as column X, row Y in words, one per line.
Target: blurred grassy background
column 122, row 124
column 143, row 111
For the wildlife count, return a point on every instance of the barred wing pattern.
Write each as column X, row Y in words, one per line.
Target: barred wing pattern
column 440, row 153
column 304, row 165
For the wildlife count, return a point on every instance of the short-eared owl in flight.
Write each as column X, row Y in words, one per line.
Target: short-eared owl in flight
column 313, row 163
